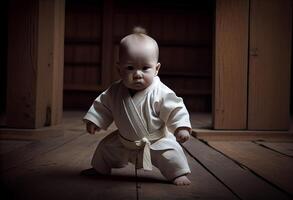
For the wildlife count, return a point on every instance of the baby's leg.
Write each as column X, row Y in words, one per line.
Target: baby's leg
column 109, row 154
column 173, row 165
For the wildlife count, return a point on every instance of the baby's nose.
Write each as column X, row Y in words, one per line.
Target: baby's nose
column 137, row 74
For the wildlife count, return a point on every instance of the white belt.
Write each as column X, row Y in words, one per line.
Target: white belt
column 144, row 143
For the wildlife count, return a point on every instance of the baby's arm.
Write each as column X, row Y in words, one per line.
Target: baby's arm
column 91, row 127
column 99, row 116
column 182, row 134
column 174, row 113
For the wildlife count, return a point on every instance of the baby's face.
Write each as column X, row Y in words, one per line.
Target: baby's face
column 138, row 66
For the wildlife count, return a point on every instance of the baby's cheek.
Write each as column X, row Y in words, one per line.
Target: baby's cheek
column 127, row 77
column 149, row 79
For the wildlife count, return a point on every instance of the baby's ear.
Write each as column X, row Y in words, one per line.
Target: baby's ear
column 158, row 68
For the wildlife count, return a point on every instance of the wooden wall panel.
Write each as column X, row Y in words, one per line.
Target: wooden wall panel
column 180, row 28
column 230, row 72
column 21, row 71
column 107, row 44
column 83, row 46
column 35, row 63
column 184, row 32
column 270, row 63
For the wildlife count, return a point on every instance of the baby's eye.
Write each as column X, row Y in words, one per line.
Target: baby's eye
column 129, row 67
column 145, row 68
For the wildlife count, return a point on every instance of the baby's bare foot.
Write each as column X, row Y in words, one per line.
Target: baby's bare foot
column 181, row 180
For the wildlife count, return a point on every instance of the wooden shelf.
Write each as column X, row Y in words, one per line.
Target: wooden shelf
column 194, row 92
column 167, row 43
column 93, row 87
column 84, row 87
column 185, row 74
column 82, row 41
column 93, row 64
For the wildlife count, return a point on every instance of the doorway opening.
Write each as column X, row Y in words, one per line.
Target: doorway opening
column 183, row 30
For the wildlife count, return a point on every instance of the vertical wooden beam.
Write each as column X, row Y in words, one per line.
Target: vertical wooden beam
column 58, row 62
column 230, row 67
column 44, row 72
column 50, row 62
column 32, row 63
column 22, row 63
column 269, row 64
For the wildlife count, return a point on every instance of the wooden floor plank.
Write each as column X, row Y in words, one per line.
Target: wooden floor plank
column 285, row 148
column 35, row 148
column 243, row 135
column 10, row 145
column 41, row 142
column 203, row 186
column 270, row 165
column 240, row 180
column 45, row 164
column 55, row 175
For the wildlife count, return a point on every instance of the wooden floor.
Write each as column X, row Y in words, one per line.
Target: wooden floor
column 46, row 164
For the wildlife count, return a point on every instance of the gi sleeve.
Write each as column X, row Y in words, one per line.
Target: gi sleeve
column 100, row 112
column 174, row 113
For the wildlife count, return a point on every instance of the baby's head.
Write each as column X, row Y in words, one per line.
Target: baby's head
column 138, row 60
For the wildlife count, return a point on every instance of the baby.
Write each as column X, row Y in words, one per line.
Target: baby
column 149, row 115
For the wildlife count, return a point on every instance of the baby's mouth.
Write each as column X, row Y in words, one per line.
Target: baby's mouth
column 138, row 85
column 137, row 82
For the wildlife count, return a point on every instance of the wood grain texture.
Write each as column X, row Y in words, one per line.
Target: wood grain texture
column 285, row 148
column 243, row 135
column 270, row 165
column 203, row 185
column 241, row 181
column 55, row 175
column 22, row 64
column 83, row 45
column 230, row 68
column 184, row 35
column 50, row 62
column 45, row 68
column 45, row 164
column 35, row 64
column 269, row 65
column 58, row 62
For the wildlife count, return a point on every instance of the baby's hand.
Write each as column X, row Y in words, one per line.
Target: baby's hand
column 91, row 127
column 182, row 135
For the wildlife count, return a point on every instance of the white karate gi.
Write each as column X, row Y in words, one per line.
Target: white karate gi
column 146, row 123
